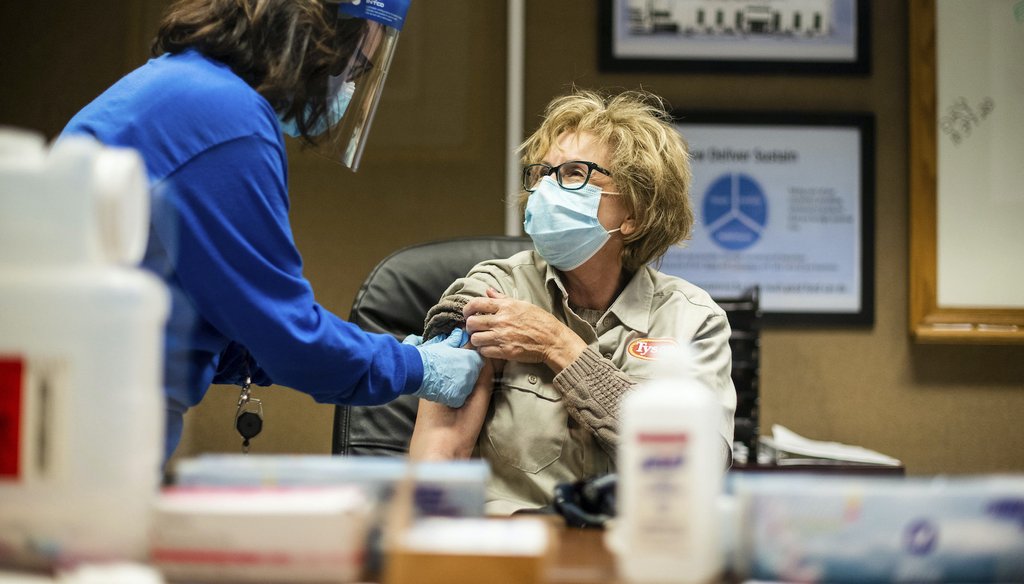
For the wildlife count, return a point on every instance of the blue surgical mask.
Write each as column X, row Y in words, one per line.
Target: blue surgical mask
column 333, row 115
column 563, row 224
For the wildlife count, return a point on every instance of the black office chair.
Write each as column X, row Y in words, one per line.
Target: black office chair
column 396, row 295
column 744, row 315
column 393, row 299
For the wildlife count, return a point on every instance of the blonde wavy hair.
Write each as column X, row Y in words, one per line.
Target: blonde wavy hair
column 650, row 163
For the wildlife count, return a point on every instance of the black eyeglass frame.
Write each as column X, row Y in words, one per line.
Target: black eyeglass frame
column 591, row 167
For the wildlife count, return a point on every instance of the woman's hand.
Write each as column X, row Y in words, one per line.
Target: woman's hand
column 513, row 330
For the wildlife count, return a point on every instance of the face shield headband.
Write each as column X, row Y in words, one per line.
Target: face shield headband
column 353, row 96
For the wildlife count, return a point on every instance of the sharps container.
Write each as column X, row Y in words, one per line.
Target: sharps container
column 81, row 334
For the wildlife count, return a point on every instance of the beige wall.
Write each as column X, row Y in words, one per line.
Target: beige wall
column 434, row 169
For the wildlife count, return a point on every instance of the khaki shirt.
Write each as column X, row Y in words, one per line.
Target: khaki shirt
column 528, row 436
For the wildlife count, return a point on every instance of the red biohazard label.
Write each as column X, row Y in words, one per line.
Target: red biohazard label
column 648, row 349
column 11, row 375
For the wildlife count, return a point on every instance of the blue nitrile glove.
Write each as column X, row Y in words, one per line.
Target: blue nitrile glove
column 449, row 372
column 414, row 340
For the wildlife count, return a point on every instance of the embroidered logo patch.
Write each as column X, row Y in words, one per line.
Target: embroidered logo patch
column 647, row 349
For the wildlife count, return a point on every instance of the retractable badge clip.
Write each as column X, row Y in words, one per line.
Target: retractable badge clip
column 248, row 416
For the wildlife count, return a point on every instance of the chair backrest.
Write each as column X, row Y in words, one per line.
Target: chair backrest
column 393, row 299
column 744, row 315
column 396, row 295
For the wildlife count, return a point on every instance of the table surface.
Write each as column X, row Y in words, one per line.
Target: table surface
column 581, row 558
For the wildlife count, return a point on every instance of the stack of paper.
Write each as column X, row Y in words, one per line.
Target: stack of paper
column 788, row 447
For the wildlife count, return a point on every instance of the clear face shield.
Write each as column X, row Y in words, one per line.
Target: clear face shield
column 353, row 95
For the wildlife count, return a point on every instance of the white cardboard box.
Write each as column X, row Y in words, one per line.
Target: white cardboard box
column 261, row 534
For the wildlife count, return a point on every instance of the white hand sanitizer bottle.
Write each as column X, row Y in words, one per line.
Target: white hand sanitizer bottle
column 670, row 464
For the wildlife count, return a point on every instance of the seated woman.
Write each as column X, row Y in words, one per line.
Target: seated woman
column 572, row 327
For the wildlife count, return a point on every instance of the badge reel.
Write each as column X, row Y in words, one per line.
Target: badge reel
column 249, row 416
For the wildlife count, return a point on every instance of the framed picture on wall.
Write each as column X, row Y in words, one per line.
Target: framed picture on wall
column 735, row 36
column 784, row 202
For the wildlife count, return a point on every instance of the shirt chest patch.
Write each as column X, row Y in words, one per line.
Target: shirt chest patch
column 648, row 349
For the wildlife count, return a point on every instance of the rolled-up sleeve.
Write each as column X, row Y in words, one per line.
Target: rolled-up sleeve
column 447, row 315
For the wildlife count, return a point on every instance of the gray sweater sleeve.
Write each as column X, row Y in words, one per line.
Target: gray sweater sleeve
column 445, row 316
column 593, row 389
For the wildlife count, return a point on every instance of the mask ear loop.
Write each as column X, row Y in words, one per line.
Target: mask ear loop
column 614, row 193
column 619, row 228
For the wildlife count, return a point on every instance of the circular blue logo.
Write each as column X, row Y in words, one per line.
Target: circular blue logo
column 735, row 211
column 920, row 537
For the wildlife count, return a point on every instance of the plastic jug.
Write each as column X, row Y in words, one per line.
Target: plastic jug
column 81, row 343
column 670, row 465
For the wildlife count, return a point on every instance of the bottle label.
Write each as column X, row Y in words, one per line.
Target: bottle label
column 662, row 518
column 11, row 415
column 31, row 389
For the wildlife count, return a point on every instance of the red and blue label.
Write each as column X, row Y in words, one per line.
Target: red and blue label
column 667, row 452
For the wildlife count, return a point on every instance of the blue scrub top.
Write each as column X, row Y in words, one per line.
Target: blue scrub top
column 221, row 241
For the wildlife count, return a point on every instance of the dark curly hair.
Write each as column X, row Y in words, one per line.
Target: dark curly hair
column 284, row 49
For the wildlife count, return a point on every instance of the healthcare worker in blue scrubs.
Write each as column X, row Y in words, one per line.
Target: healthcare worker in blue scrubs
column 208, row 115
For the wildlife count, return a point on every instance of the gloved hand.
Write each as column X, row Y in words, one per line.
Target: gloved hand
column 449, row 372
column 414, row 340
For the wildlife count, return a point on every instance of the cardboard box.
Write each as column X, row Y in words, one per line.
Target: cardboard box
column 471, row 551
column 311, row 535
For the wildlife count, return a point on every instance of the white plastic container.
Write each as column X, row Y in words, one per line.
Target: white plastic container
column 81, row 341
column 670, row 475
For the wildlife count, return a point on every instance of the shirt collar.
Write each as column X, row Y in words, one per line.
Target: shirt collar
column 633, row 305
column 554, row 285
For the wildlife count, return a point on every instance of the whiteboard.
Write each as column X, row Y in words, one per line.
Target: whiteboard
column 966, row 218
column 980, row 140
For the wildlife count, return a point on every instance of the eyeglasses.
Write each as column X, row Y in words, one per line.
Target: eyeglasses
column 571, row 176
